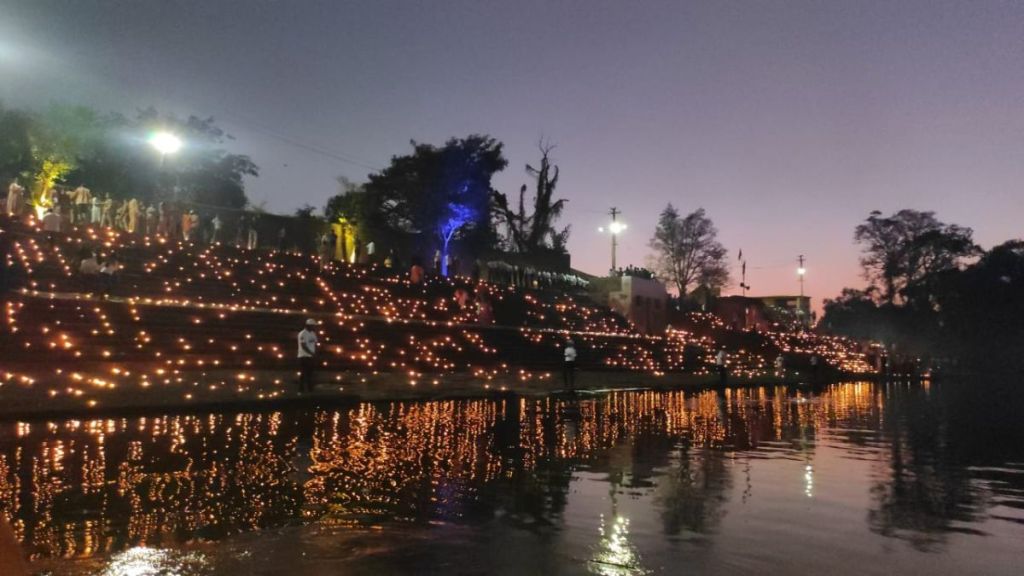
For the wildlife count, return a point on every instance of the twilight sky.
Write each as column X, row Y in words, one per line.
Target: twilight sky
column 788, row 121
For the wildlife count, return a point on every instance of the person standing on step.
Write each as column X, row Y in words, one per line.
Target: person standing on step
column 723, row 369
column 83, row 199
column 15, row 199
column 307, row 356
column 216, row 224
column 95, row 210
column 569, row 367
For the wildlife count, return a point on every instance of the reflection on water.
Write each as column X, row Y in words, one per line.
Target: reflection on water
column 617, row 484
column 615, row 555
column 141, row 561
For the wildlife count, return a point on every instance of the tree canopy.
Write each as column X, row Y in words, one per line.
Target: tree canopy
column 905, row 248
column 935, row 301
column 535, row 232
column 687, row 252
column 110, row 154
column 443, row 192
column 16, row 160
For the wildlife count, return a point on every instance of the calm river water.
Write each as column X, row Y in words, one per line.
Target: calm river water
column 854, row 478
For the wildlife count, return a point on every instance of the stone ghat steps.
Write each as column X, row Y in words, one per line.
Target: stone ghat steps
column 185, row 275
column 81, row 335
column 182, row 309
column 224, row 275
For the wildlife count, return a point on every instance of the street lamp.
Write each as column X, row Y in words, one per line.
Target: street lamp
column 166, row 143
column 800, row 272
column 615, row 228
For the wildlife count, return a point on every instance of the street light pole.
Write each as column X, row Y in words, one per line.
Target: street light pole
column 166, row 143
column 800, row 272
column 614, row 227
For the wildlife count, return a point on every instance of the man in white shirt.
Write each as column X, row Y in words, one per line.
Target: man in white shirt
column 217, row 224
column 720, row 363
column 307, row 356
column 569, row 367
column 14, row 199
column 51, row 221
column 83, row 198
column 90, row 265
column 51, row 225
column 89, row 270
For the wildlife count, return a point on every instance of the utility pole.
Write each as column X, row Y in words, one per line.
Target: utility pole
column 615, row 232
column 800, row 271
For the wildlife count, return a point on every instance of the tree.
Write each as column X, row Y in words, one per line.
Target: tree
column 905, row 248
column 360, row 218
column 61, row 136
column 687, row 251
column 444, row 192
column 110, row 155
column 202, row 171
column 972, row 313
column 349, row 203
column 15, row 145
column 855, row 313
column 536, row 232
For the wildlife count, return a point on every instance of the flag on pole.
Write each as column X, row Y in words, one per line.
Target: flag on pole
column 740, row 257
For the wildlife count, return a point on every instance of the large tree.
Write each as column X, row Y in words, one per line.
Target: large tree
column 109, row 153
column 15, row 146
column 973, row 313
column 61, row 137
column 535, row 232
column 443, row 192
column 905, row 248
column 687, row 252
column 202, row 172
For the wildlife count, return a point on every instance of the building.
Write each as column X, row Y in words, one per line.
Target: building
column 788, row 308
column 642, row 301
column 761, row 312
column 741, row 312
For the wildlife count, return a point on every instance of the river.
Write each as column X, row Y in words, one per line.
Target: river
column 853, row 478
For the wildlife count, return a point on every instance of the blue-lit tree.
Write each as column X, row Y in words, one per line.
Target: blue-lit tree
column 441, row 193
column 458, row 216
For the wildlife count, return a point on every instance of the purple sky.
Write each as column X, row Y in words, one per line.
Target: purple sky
column 787, row 121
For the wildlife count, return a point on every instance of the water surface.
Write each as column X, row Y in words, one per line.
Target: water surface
column 855, row 478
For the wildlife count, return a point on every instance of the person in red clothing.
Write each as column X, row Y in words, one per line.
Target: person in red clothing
column 416, row 273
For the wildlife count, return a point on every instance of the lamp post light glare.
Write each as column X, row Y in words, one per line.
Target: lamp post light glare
column 165, row 142
column 614, row 228
column 800, row 272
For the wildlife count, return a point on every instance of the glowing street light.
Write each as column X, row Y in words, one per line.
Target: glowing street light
column 801, row 271
column 165, row 143
column 615, row 228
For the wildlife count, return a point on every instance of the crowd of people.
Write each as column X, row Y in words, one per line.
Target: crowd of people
column 529, row 277
column 633, row 272
column 60, row 209
column 66, row 207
